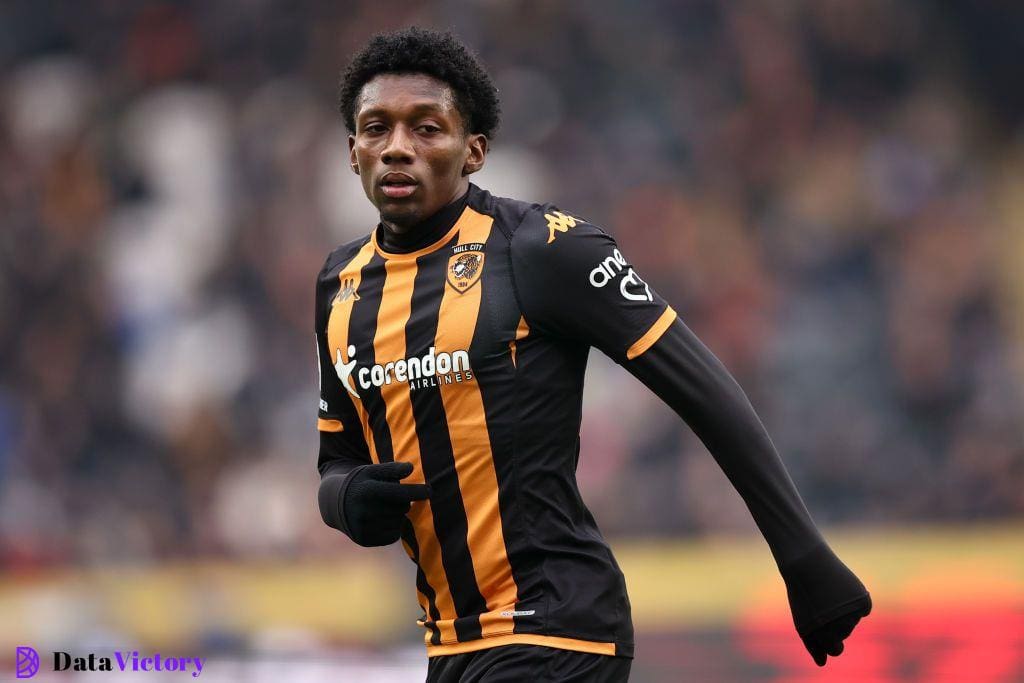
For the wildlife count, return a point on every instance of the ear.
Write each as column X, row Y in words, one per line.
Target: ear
column 352, row 154
column 476, row 152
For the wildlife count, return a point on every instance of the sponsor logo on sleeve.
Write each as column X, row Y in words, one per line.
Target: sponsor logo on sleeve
column 631, row 286
column 320, row 374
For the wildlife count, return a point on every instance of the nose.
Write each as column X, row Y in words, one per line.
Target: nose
column 398, row 148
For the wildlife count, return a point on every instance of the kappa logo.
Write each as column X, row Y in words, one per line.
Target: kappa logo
column 465, row 266
column 558, row 222
column 347, row 291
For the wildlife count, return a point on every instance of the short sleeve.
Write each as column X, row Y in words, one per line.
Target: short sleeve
column 574, row 282
column 330, row 417
column 336, row 412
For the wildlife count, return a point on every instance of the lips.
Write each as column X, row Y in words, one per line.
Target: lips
column 397, row 185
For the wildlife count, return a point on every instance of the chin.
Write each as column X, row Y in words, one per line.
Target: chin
column 402, row 216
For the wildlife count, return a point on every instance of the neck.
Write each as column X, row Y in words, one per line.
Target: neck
column 424, row 233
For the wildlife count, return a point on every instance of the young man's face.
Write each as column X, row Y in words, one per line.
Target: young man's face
column 410, row 147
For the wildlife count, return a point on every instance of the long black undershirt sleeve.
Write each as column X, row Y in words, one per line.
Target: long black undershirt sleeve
column 694, row 383
column 338, row 460
column 574, row 284
column 342, row 446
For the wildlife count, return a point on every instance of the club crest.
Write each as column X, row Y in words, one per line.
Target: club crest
column 465, row 266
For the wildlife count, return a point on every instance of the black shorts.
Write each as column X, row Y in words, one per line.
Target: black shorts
column 529, row 663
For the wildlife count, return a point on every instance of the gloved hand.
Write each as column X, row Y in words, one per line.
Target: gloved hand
column 828, row 639
column 374, row 503
column 827, row 601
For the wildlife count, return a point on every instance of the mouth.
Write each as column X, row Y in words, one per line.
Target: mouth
column 397, row 185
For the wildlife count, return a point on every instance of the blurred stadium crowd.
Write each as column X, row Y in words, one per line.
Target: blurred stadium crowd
column 828, row 192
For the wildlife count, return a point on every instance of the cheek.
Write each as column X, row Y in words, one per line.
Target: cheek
column 362, row 155
column 364, row 159
column 449, row 162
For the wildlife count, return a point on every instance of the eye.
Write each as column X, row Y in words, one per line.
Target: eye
column 429, row 128
column 373, row 128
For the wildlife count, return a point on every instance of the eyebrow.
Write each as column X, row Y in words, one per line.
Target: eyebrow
column 418, row 108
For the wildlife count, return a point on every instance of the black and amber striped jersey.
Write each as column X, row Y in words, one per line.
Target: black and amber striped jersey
column 466, row 358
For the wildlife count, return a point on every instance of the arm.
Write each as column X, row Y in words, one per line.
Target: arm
column 358, row 497
column 365, row 501
column 694, row 383
column 343, row 450
column 826, row 598
column 574, row 283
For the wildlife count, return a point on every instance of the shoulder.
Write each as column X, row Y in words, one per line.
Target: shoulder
column 528, row 224
column 549, row 223
column 553, row 252
column 557, row 237
column 327, row 282
column 342, row 255
column 508, row 213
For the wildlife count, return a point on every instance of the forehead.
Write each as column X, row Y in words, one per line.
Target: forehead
column 400, row 92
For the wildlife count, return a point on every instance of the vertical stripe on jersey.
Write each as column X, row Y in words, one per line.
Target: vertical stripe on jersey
column 521, row 331
column 338, row 330
column 426, row 593
column 361, row 331
column 471, row 446
column 389, row 345
column 449, row 514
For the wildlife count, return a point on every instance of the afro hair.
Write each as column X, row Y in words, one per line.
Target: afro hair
column 420, row 51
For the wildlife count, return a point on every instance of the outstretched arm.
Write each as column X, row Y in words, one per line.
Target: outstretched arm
column 574, row 283
column 694, row 383
column 826, row 598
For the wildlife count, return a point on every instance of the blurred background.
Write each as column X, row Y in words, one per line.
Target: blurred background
column 828, row 191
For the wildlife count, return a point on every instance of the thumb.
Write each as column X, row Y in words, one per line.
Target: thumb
column 391, row 471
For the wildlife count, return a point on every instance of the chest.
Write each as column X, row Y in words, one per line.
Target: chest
column 449, row 314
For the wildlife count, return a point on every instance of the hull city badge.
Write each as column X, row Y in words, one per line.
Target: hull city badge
column 465, row 266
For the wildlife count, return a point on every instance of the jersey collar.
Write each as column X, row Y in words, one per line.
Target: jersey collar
column 430, row 234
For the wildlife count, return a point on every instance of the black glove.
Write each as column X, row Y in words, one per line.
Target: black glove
column 373, row 503
column 827, row 601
